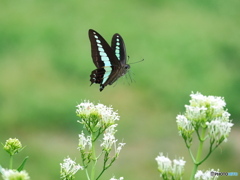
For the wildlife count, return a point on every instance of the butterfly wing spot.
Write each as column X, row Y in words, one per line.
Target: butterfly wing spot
column 103, row 54
column 106, row 63
column 100, row 49
column 100, row 76
column 97, row 76
column 99, row 46
column 108, row 71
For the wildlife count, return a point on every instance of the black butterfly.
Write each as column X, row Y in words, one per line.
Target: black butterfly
column 110, row 61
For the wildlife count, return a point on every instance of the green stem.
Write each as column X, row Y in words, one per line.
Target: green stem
column 94, row 160
column 199, row 154
column 86, row 171
column 209, row 153
column 104, row 165
column 190, row 152
column 100, row 174
column 11, row 162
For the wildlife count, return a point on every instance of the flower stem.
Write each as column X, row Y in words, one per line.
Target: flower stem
column 86, row 171
column 11, row 162
column 94, row 160
column 199, row 154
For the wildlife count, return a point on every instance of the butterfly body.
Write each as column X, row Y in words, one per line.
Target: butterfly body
column 109, row 60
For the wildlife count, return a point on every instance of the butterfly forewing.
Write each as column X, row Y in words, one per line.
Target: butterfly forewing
column 102, row 53
column 118, row 47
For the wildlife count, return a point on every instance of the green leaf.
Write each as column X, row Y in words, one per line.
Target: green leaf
column 20, row 168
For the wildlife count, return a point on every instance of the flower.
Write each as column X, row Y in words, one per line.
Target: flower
column 169, row 169
column 219, row 130
column 85, row 108
column 69, row 168
column 164, row 163
column 108, row 140
column 178, row 167
column 210, row 106
column 185, row 126
column 12, row 174
column 13, row 146
column 208, row 175
column 207, row 112
column 84, row 141
column 119, row 148
column 96, row 117
column 196, row 114
column 108, row 115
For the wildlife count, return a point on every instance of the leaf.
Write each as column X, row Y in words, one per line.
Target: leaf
column 20, row 168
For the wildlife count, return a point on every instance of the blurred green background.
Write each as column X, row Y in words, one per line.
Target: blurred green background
column 45, row 64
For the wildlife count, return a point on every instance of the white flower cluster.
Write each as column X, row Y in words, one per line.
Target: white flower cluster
column 206, row 112
column 99, row 115
column 109, row 140
column 84, row 141
column 170, row 169
column 85, row 108
column 108, row 115
column 185, row 126
column 11, row 174
column 98, row 120
column 200, row 175
column 69, row 168
column 219, row 130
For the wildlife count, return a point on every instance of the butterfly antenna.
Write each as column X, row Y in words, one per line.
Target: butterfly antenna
column 137, row 62
column 128, row 58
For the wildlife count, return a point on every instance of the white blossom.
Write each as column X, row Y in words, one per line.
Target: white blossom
column 98, row 115
column 200, row 175
column 84, row 141
column 185, row 126
column 119, row 148
column 108, row 115
column 108, row 141
column 195, row 113
column 206, row 112
column 12, row 174
column 85, row 108
column 69, row 168
column 178, row 167
column 219, row 130
column 164, row 163
column 170, row 169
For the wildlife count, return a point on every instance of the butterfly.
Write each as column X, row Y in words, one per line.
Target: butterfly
column 109, row 60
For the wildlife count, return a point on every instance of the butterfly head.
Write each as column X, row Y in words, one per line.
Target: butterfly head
column 127, row 66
